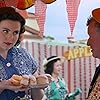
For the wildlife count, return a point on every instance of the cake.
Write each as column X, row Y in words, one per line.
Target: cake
column 15, row 80
column 25, row 80
column 32, row 80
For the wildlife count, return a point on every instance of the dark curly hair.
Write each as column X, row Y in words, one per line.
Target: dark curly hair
column 49, row 67
column 9, row 13
column 89, row 20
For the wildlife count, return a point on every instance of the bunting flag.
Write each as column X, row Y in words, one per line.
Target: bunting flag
column 20, row 4
column 4, row 3
column 14, row 3
column 40, row 13
column 11, row 3
column 72, row 10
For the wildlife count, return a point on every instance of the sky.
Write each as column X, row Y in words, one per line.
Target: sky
column 57, row 25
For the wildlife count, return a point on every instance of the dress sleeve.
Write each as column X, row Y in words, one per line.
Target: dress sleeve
column 65, row 84
column 33, row 62
column 28, row 59
column 47, row 92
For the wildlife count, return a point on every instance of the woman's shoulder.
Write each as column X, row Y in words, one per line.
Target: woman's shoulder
column 21, row 52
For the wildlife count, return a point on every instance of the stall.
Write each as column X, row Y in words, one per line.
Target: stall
column 78, row 68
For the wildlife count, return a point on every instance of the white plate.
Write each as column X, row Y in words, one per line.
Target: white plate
column 40, row 86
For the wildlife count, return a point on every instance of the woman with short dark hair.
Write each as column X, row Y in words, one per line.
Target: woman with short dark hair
column 13, row 60
column 57, row 90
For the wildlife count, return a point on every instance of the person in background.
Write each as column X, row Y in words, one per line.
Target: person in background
column 57, row 90
column 93, row 29
column 13, row 60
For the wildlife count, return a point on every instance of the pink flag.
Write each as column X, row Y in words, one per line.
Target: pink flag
column 40, row 13
column 11, row 2
column 4, row 3
column 72, row 10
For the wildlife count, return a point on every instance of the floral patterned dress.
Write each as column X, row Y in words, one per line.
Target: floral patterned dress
column 56, row 90
column 19, row 62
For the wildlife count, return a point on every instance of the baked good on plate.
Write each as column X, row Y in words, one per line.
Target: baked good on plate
column 42, row 79
column 15, row 80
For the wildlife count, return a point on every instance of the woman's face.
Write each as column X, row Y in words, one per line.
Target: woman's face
column 9, row 34
column 94, row 38
column 57, row 67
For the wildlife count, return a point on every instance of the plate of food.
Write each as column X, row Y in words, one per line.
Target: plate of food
column 40, row 81
column 39, row 86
